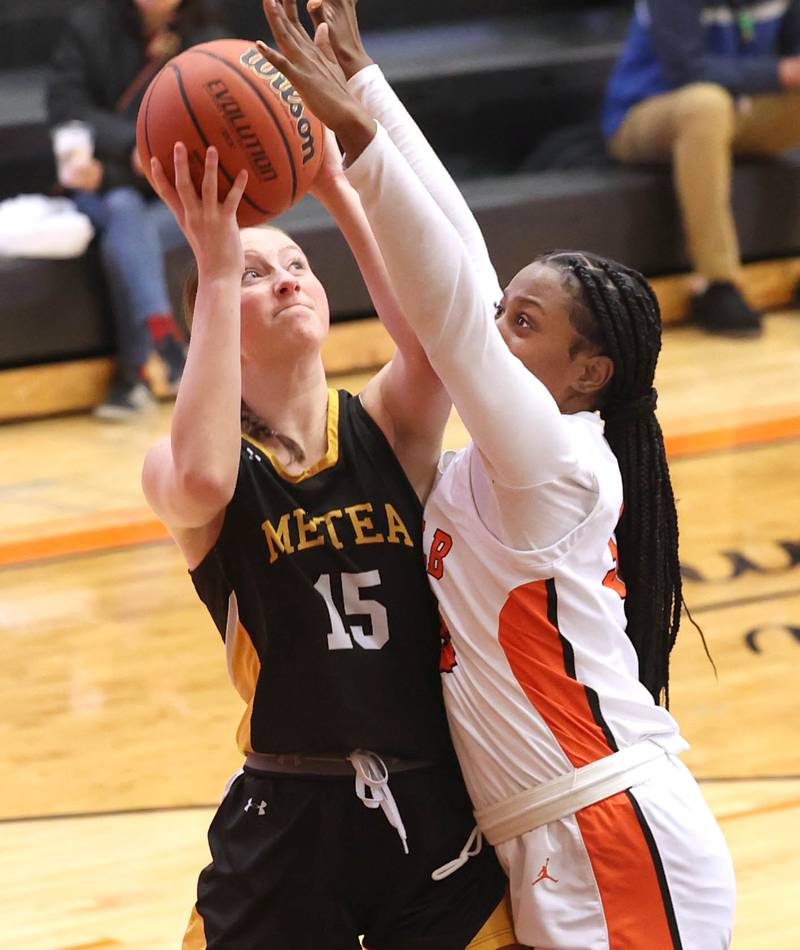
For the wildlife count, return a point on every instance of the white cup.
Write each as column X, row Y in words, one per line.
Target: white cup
column 73, row 146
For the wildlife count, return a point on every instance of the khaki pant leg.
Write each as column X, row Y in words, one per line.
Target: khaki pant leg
column 768, row 124
column 693, row 127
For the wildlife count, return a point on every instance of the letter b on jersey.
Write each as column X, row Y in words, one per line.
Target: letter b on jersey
column 440, row 548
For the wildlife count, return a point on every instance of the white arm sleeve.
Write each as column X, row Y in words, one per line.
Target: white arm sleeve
column 511, row 416
column 370, row 87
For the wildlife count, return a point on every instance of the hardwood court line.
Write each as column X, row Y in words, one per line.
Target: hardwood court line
column 745, row 601
column 759, row 810
column 140, row 526
column 732, row 437
column 722, row 779
column 111, row 813
column 95, row 945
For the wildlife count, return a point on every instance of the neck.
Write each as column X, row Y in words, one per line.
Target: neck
column 294, row 405
column 575, row 402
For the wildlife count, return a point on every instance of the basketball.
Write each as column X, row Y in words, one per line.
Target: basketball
column 226, row 94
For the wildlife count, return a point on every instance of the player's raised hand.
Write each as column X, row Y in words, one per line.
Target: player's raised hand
column 322, row 41
column 209, row 224
column 336, row 26
column 319, row 81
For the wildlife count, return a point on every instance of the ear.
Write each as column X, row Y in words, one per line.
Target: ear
column 596, row 373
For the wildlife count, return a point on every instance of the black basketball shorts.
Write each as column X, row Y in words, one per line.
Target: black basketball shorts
column 299, row 863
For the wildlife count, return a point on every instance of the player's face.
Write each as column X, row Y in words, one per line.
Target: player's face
column 284, row 306
column 533, row 319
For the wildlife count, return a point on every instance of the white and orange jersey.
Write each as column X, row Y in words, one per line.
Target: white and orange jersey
column 539, row 676
column 520, row 524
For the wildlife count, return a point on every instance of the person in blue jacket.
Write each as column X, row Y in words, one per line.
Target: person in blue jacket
column 697, row 83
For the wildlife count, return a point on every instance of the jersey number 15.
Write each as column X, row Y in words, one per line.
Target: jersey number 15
column 343, row 634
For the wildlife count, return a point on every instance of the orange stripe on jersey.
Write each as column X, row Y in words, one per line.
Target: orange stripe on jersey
column 630, row 876
column 613, row 578
column 543, row 664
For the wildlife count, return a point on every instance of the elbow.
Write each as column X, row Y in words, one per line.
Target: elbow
column 207, row 488
column 186, row 495
column 204, row 472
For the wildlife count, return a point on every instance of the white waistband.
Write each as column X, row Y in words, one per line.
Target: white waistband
column 569, row 793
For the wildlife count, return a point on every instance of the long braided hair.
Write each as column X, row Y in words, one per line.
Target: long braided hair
column 615, row 310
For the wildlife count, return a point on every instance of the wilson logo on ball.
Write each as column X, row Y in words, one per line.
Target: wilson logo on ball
column 256, row 62
column 234, row 115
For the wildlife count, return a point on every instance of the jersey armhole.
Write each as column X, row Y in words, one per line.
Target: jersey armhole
column 360, row 412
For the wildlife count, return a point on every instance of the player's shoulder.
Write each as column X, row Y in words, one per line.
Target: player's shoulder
column 586, row 430
column 592, row 451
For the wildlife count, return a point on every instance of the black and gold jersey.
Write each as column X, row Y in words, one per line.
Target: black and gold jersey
column 318, row 586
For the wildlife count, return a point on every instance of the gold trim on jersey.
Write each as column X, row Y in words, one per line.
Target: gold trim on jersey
column 244, row 668
column 498, row 931
column 328, row 460
column 195, row 936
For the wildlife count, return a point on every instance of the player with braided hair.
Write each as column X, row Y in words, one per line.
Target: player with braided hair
column 616, row 309
column 551, row 690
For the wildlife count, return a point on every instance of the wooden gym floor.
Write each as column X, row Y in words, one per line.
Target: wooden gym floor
column 117, row 719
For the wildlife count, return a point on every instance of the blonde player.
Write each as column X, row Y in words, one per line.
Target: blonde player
column 298, row 510
column 555, row 666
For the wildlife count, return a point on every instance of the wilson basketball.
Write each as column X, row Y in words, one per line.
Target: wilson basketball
column 225, row 93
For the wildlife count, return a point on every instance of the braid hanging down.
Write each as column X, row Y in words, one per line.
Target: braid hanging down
column 617, row 311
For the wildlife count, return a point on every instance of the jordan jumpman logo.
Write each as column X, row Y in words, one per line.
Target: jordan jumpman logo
column 544, row 875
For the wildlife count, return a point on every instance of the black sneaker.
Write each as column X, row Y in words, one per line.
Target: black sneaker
column 125, row 401
column 173, row 354
column 721, row 308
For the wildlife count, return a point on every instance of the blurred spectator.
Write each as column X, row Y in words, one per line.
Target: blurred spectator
column 695, row 84
column 109, row 52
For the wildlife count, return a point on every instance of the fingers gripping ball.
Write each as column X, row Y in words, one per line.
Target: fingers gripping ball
column 225, row 93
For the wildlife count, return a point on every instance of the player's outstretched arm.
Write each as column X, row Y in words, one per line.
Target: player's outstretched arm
column 190, row 477
column 336, row 24
column 434, row 279
column 407, row 398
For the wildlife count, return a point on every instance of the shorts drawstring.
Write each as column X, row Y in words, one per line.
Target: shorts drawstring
column 470, row 849
column 372, row 788
column 371, row 772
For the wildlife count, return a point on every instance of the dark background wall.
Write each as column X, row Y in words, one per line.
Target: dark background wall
column 487, row 82
column 507, row 91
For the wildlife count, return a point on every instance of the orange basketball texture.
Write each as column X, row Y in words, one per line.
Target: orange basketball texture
column 225, row 93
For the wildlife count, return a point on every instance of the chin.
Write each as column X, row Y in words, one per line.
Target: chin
column 306, row 331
